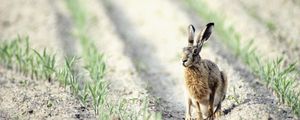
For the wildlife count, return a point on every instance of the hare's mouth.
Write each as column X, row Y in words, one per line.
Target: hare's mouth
column 184, row 63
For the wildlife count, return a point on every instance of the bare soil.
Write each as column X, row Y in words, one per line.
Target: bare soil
column 24, row 98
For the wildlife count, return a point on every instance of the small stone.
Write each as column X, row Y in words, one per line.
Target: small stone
column 77, row 116
column 82, row 108
column 284, row 111
column 270, row 118
column 30, row 111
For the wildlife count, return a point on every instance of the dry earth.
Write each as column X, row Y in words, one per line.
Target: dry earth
column 142, row 41
column 272, row 24
column 286, row 27
column 24, row 98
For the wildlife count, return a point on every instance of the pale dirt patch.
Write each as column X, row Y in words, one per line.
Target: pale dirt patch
column 24, row 98
column 283, row 25
column 247, row 27
column 284, row 16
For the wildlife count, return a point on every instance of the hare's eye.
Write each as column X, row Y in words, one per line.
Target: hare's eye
column 194, row 51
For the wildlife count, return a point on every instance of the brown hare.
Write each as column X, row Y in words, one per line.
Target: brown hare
column 205, row 84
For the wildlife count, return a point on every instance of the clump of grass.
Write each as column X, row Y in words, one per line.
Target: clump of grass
column 277, row 76
column 98, row 94
column 33, row 63
column 93, row 60
column 17, row 54
column 280, row 80
column 68, row 76
column 48, row 64
column 235, row 97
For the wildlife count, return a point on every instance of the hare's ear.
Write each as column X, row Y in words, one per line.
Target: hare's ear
column 191, row 32
column 207, row 31
column 205, row 34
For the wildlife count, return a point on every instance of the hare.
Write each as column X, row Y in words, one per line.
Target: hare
column 205, row 84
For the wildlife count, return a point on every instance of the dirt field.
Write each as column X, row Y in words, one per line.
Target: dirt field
column 142, row 41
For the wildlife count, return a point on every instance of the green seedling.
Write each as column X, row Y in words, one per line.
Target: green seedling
column 49, row 103
column 24, row 82
column 94, row 63
column 37, row 65
column 47, row 67
column 234, row 97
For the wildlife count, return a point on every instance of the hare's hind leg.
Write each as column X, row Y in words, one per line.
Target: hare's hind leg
column 188, row 109
column 224, row 83
column 218, row 112
column 223, row 89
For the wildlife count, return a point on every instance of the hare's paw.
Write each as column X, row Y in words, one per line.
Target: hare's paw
column 188, row 117
column 199, row 117
column 218, row 114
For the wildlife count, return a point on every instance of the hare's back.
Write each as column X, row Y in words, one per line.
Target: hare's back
column 210, row 66
column 214, row 74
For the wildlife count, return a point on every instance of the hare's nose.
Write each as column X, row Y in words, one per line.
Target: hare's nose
column 184, row 64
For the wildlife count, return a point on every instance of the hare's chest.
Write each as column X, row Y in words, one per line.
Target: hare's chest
column 197, row 84
column 198, row 92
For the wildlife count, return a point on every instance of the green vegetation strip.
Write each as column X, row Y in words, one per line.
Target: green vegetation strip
column 275, row 74
column 17, row 55
column 94, row 63
column 93, row 60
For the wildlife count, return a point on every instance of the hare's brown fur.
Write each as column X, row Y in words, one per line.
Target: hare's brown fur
column 205, row 84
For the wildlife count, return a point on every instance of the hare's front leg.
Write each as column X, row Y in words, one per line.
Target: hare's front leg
column 211, row 106
column 199, row 113
column 188, row 109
